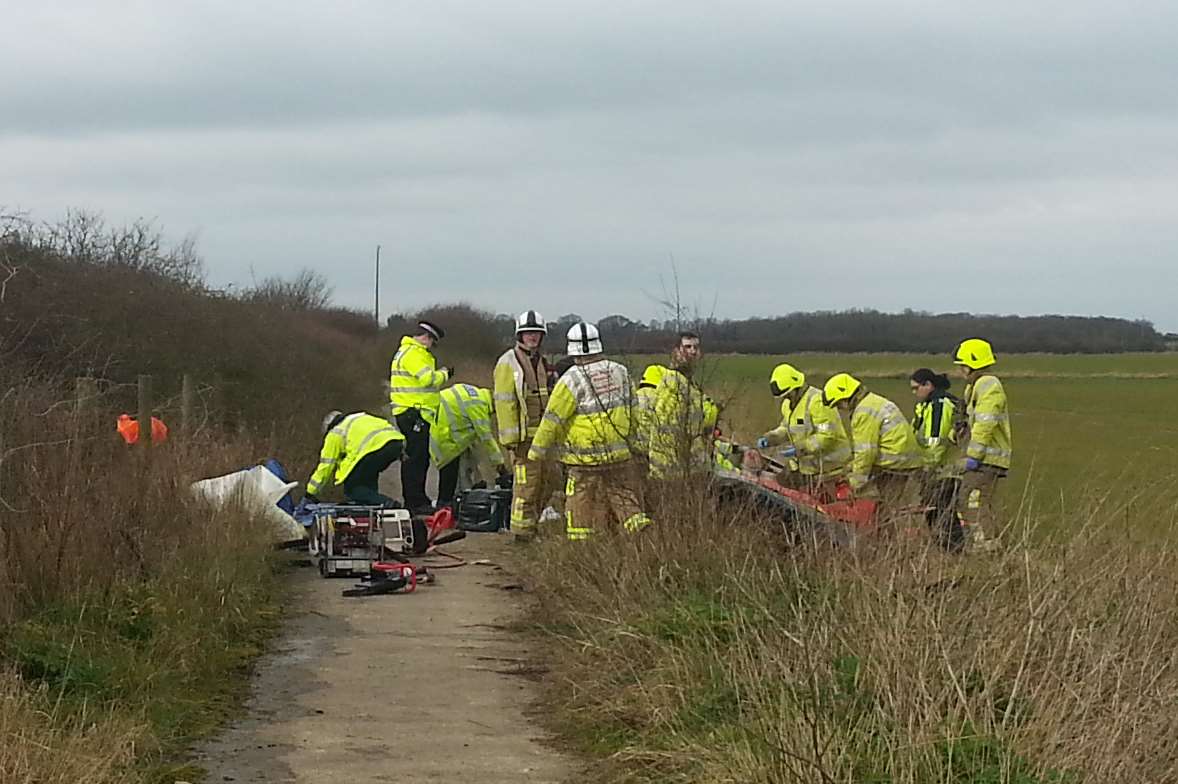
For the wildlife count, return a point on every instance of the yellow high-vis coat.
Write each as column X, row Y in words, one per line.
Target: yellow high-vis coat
column 684, row 427
column 780, row 434
column 881, row 438
column 587, row 422
column 511, row 398
column 414, row 380
column 933, row 423
column 354, row 437
column 990, row 439
column 464, row 421
column 644, row 418
column 816, row 431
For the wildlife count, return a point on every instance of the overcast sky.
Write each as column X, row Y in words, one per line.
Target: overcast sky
column 1014, row 157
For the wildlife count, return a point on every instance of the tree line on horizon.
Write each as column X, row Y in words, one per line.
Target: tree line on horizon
column 837, row 331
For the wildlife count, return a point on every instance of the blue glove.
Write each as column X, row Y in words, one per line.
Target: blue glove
column 971, row 464
column 789, row 451
column 762, row 442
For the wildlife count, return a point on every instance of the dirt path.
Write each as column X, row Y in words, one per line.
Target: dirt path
column 422, row 687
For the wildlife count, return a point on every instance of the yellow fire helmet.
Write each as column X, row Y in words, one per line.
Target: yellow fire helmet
column 840, row 387
column 652, row 376
column 975, row 354
column 785, row 379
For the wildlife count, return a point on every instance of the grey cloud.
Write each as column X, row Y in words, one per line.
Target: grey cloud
column 789, row 156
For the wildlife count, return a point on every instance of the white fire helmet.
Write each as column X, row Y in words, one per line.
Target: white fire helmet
column 530, row 321
column 584, row 340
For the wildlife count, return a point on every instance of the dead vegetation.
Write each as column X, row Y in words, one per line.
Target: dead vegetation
column 706, row 651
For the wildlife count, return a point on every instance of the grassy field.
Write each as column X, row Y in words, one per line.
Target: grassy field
column 1086, row 427
column 708, row 650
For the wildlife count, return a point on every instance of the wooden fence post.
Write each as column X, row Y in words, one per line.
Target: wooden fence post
column 187, row 403
column 85, row 390
column 145, row 413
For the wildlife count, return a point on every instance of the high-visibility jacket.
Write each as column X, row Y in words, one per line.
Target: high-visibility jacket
column 511, row 398
column 684, row 426
column 780, row 434
column 933, row 423
column 643, row 418
column 587, row 421
column 990, row 440
column 464, row 421
column 881, row 438
column 816, row 431
column 355, row 436
column 414, row 380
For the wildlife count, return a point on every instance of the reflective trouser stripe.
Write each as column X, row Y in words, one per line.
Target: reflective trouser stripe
column 637, row 522
column 517, row 498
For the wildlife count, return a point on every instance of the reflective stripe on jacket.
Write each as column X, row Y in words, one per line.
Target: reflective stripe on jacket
column 414, row 380
column 587, row 421
column 511, row 405
column 816, row 431
column 881, row 438
column 684, row 426
column 933, row 423
column 464, row 421
column 990, row 439
column 355, row 436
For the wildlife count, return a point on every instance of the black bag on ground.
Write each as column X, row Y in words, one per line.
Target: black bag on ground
column 482, row 510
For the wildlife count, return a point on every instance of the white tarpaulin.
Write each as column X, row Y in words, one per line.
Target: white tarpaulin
column 258, row 491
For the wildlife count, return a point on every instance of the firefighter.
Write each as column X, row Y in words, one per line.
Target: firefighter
column 644, row 407
column 414, row 384
column 463, row 427
column 587, row 426
column 934, row 421
column 684, row 423
column 816, row 442
column 522, row 386
column 885, row 460
column 988, row 441
column 356, row 449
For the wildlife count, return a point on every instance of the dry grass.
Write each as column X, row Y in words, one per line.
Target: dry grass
column 43, row 747
column 709, row 652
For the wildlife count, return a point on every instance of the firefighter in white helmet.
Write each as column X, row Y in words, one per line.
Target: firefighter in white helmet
column 522, row 384
column 587, row 427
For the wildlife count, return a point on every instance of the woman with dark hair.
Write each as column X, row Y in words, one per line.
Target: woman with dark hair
column 935, row 424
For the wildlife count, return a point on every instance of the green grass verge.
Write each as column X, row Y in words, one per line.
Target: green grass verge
column 170, row 653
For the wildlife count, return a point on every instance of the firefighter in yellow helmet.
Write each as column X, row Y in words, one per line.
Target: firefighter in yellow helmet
column 988, row 442
column 587, row 426
column 886, row 460
column 813, row 434
column 644, row 404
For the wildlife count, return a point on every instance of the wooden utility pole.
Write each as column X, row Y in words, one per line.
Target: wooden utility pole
column 376, row 291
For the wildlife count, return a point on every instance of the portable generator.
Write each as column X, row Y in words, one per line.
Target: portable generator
column 347, row 540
